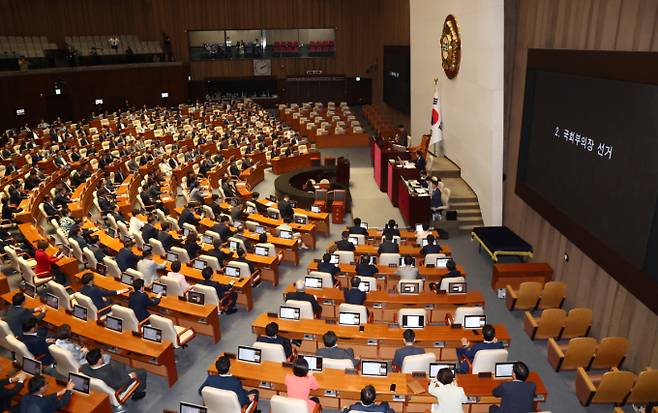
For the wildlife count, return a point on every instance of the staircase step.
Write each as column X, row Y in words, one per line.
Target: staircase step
column 468, row 227
column 468, row 219
column 471, row 212
column 464, row 205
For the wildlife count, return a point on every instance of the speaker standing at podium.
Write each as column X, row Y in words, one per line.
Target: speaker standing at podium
column 436, row 202
column 401, row 136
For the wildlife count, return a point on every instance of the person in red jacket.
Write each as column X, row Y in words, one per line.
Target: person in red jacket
column 48, row 264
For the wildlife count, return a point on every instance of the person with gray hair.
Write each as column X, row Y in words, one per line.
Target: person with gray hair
column 301, row 295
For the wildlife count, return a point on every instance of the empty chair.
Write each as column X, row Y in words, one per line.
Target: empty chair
column 485, row 360
column 612, row 387
column 460, row 312
column 86, row 302
column 553, row 295
column 177, row 335
column 224, row 401
column 579, row 352
column 549, row 324
column 5, row 332
column 355, row 308
column 244, row 268
column 327, row 281
column 212, row 262
column 281, row 404
column 271, row 352
column 337, row 364
column 63, row 298
column 113, row 269
column 118, row 397
column 130, row 322
column 64, row 361
column 389, row 258
column 578, row 323
column 209, row 295
column 91, row 260
column 417, row 363
column 611, row 352
column 182, row 254
column 525, row 298
column 305, row 308
column 645, row 389
column 137, row 236
column 411, row 312
column 345, row 257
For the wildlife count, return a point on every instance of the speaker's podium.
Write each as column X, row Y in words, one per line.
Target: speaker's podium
column 338, row 206
column 382, row 151
column 397, row 171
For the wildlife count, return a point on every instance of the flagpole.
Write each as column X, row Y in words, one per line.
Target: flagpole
column 436, row 148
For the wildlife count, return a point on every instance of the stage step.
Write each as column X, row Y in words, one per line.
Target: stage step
column 444, row 168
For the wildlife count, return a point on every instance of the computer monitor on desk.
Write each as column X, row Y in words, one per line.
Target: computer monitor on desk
column 435, row 367
column 249, row 354
column 413, row 321
column 409, row 288
column 504, row 370
column 314, row 362
column 289, row 313
column 313, row 282
column 473, row 322
column 374, row 368
column 186, row 407
column 349, row 319
column 262, row 251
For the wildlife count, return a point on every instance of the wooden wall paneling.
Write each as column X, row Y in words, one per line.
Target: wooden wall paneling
column 587, row 24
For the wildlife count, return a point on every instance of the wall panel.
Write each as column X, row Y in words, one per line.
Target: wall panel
column 629, row 25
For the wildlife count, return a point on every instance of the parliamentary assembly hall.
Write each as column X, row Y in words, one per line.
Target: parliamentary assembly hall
column 338, row 206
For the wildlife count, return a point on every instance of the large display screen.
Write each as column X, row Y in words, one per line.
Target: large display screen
column 397, row 77
column 588, row 158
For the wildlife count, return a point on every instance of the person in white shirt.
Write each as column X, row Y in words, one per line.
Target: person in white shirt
column 183, row 285
column 421, row 235
column 136, row 224
column 449, row 395
column 149, row 268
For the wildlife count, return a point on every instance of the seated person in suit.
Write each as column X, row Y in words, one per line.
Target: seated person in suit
column 37, row 401
column 139, row 301
column 432, row 246
column 332, row 351
column 114, row 374
column 165, row 238
column 187, row 217
column 6, row 394
column 357, row 228
column 125, row 258
column 367, row 403
column 420, row 161
column 300, row 295
column 272, row 336
column 391, row 228
column 36, row 344
column 408, row 272
column 409, row 338
column 17, row 315
column 326, row 266
column 222, row 228
column 388, row 246
column 353, row 295
column 221, row 290
column 225, row 381
column 452, row 269
column 192, row 246
column 490, row 342
column 516, row 395
column 148, row 230
column 343, row 244
column 96, row 294
column 363, row 267
column 217, row 252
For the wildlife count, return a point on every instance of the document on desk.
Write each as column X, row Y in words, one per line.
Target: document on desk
column 415, row 387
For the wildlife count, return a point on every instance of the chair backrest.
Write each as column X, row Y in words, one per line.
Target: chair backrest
column 345, row 257
column 130, row 322
column 579, row 353
column 167, row 328
column 220, row 401
column 396, row 239
column 614, row 386
column 19, row 349
column 645, row 389
column 238, row 241
column 137, row 236
column 271, row 352
column 157, row 247
column 387, row 258
column 281, row 404
column 418, row 362
column 86, row 302
column 610, row 352
column 550, row 323
column 327, row 281
column 173, row 287
column 98, row 385
column 182, row 254
column 485, row 360
column 431, row 258
column 305, row 308
column 244, row 268
column 337, row 364
column 58, row 290
column 209, row 293
column 445, row 282
column 460, row 312
column 134, row 273
column 5, row 332
column 528, row 294
column 271, row 249
column 372, row 282
column 64, row 361
column 213, row 235
column 77, row 251
column 113, row 269
column 361, row 239
column 412, row 311
column 553, row 295
column 578, row 323
column 91, row 258
column 355, row 308
column 419, row 282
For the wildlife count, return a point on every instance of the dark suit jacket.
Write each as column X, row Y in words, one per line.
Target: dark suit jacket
column 148, row 232
column 470, row 353
column 166, row 239
column 187, row 217
column 115, row 375
column 328, row 267
column 302, row 296
column 50, row 209
column 97, row 295
column 6, row 394
column 430, row 249
column 126, row 259
column 337, row 353
column 219, row 254
column 388, row 247
column 366, row 269
column 405, row 351
column 345, row 245
column 516, row 396
column 139, row 302
column 382, row 407
column 354, row 296
column 46, row 404
column 287, row 347
column 285, row 209
column 16, row 316
column 229, row 383
column 38, row 347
